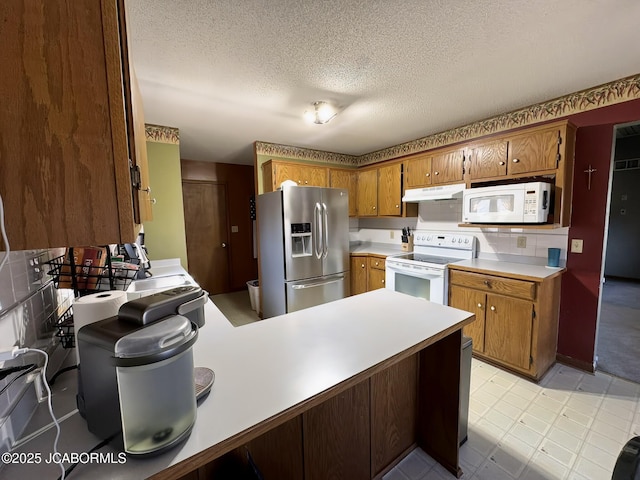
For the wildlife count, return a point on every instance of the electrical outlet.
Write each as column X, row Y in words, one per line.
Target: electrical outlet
column 576, row 245
column 522, row 242
column 392, row 234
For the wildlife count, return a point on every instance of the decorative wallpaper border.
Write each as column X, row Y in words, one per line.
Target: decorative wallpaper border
column 298, row 153
column 611, row 93
column 162, row 134
column 608, row 94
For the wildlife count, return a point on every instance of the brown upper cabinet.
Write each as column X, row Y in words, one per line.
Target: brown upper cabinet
column 434, row 168
column 390, row 190
column 274, row 172
column 347, row 179
column 73, row 157
column 541, row 150
column 367, row 194
column 380, row 193
column 535, row 150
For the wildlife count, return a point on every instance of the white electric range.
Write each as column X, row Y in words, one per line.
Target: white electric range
column 423, row 272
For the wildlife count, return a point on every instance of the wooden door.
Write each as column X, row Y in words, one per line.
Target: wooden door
column 489, row 160
column 358, row 274
column 368, row 193
column 472, row 301
column 390, row 190
column 417, row 172
column 508, row 329
column 348, row 180
column 376, row 279
column 205, row 218
column 533, row 152
column 447, row 167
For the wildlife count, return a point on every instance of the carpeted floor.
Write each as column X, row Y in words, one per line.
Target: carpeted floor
column 618, row 347
column 236, row 306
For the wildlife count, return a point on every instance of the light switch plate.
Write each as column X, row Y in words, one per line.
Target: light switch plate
column 522, row 242
column 234, row 229
column 391, row 234
column 576, row 245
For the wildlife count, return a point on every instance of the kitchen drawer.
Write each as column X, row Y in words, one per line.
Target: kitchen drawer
column 376, row 262
column 491, row 284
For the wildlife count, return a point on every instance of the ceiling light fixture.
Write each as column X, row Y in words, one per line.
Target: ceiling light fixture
column 322, row 112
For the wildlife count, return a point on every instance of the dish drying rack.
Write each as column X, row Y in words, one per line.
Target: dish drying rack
column 84, row 278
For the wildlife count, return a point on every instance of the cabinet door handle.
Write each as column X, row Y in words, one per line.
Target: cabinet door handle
column 397, row 206
column 224, row 245
column 493, row 309
column 362, row 266
column 436, row 173
column 479, row 305
column 374, row 208
column 516, row 160
column 148, row 190
column 427, row 174
column 383, row 280
column 377, row 263
column 500, row 163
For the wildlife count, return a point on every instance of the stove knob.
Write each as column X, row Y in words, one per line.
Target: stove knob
column 466, row 240
column 453, row 239
column 429, row 238
column 460, row 240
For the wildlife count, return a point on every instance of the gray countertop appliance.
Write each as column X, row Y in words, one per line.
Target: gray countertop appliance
column 136, row 377
column 304, row 248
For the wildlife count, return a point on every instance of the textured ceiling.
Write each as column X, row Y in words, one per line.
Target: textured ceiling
column 229, row 72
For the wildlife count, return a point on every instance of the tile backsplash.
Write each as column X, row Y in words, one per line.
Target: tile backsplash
column 29, row 309
column 445, row 215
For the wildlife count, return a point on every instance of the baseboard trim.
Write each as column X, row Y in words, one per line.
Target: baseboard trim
column 573, row 362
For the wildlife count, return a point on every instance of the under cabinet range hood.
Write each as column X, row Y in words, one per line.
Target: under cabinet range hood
column 445, row 192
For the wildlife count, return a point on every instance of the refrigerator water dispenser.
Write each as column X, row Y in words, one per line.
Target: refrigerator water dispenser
column 301, row 240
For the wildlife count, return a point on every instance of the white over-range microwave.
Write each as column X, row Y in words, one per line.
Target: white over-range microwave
column 515, row 203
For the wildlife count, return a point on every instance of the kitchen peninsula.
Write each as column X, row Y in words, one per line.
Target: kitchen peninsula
column 346, row 389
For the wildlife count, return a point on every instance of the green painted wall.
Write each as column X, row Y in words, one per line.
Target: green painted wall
column 165, row 234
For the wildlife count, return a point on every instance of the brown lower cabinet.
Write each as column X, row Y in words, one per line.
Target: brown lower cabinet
column 367, row 273
column 363, row 431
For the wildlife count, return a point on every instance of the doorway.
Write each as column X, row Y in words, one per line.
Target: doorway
column 206, row 225
column 618, row 337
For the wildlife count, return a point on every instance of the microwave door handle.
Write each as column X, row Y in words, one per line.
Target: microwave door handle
column 325, row 228
column 317, row 234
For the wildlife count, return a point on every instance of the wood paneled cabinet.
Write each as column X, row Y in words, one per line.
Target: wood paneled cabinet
column 516, row 322
column 367, row 273
column 380, row 193
column 545, row 150
column 73, row 156
column 367, row 196
column 526, row 153
column 434, row 168
column 347, row 179
column 359, row 274
column 275, row 172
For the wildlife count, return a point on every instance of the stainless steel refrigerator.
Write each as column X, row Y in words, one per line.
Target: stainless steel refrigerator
column 303, row 235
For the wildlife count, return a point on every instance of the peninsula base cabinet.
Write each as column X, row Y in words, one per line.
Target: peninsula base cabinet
column 516, row 323
column 367, row 273
column 365, row 429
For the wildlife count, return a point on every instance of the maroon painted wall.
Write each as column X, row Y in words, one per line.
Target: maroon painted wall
column 581, row 282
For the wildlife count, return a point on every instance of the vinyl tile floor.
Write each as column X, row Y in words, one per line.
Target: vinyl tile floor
column 572, row 425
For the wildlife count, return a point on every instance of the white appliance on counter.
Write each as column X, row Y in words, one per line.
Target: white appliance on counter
column 514, row 203
column 303, row 237
column 423, row 273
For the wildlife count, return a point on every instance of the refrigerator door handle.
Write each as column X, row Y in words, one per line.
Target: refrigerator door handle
column 317, row 234
column 325, row 228
column 318, row 284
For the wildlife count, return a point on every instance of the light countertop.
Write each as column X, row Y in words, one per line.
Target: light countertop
column 373, row 248
column 287, row 359
column 516, row 270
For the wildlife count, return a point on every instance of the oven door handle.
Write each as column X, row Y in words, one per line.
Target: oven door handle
column 422, row 272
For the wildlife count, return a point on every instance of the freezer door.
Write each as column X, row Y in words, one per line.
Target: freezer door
column 302, row 214
column 316, row 291
column 335, row 206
